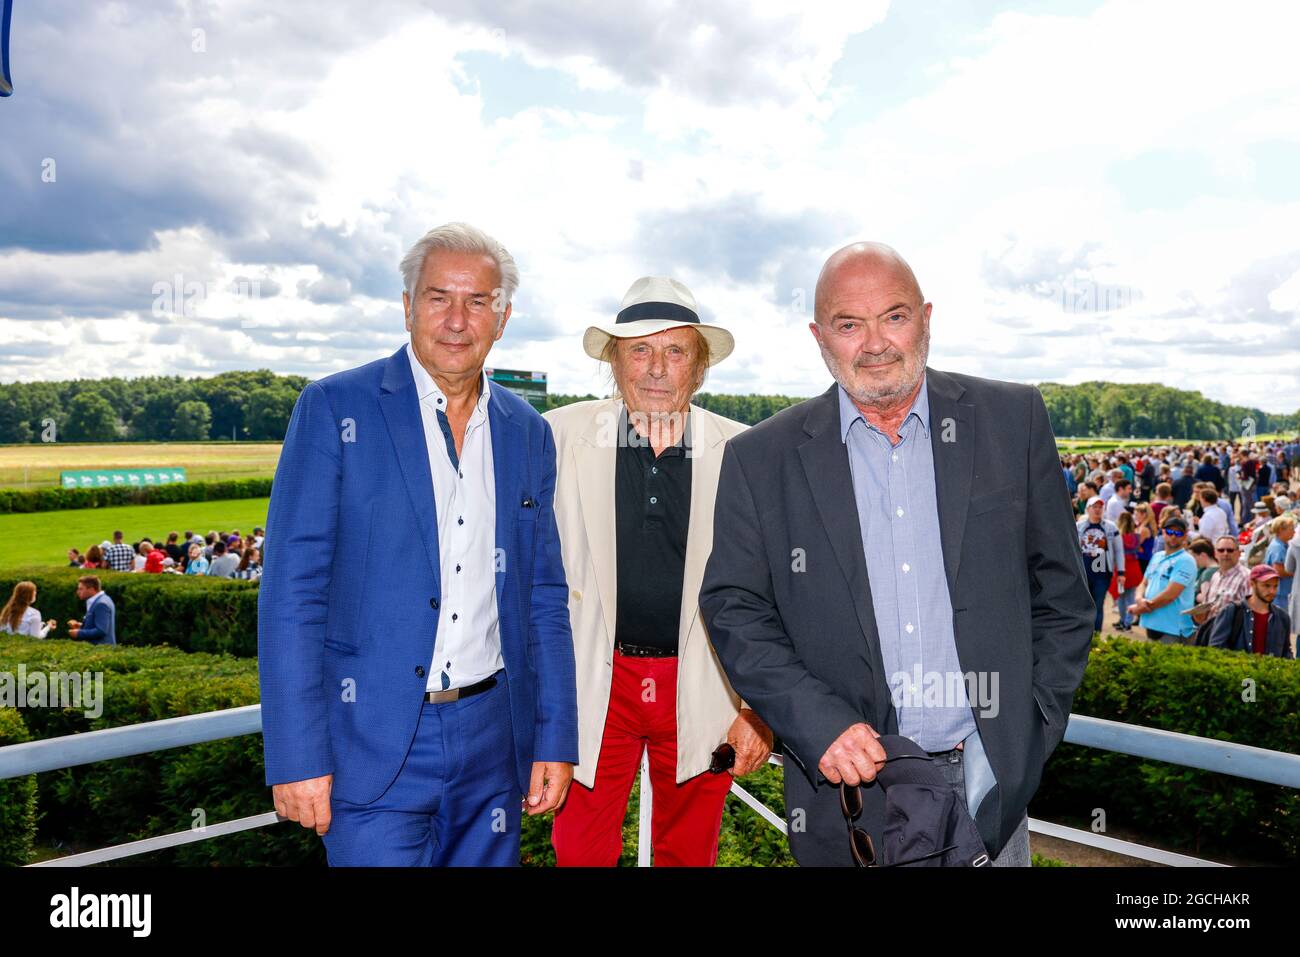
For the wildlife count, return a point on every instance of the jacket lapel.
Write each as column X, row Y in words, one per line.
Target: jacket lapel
column 593, row 463
column 400, row 405
column 508, row 444
column 952, row 441
column 826, row 465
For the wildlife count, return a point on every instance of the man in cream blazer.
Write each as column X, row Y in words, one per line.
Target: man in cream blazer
column 636, row 480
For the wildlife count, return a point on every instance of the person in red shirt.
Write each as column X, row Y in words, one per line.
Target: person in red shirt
column 1255, row 625
column 153, row 558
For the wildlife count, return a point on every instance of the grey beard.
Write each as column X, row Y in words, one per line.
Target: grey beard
column 879, row 398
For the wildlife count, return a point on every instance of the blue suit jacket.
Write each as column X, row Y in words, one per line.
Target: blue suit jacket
column 100, row 626
column 346, row 613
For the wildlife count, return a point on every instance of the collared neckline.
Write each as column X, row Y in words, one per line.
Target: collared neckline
column 850, row 413
column 681, row 447
column 426, row 386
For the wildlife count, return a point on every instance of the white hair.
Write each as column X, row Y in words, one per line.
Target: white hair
column 461, row 238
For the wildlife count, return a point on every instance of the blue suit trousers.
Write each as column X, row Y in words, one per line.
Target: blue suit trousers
column 455, row 801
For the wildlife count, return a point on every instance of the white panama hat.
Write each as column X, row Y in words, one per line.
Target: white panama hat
column 653, row 304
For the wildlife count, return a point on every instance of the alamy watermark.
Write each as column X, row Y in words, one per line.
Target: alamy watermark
column 79, row 690
column 946, row 689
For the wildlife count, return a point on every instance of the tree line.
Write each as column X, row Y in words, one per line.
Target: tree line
column 256, row 405
column 1149, row 410
column 242, row 405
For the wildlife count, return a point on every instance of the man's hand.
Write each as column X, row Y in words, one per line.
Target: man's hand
column 307, row 802
column 549, row 786
column 854, row 757
column 1140, row 607
column 752, row 740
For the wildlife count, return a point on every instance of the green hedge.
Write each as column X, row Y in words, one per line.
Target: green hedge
column 190, row 612
column 1190, row 690
column 112, row 802
column 1196, row 691
column 56, row 498
column 17, row 800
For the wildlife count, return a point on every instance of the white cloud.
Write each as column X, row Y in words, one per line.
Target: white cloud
column 308, row 147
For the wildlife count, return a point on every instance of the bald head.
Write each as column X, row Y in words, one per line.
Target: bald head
column 864, row 265
column 873, row 326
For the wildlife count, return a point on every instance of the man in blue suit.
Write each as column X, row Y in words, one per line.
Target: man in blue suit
column 100, row 625
column 415, row 654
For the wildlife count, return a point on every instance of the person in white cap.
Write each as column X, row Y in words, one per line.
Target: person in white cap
column 637, row 475
column 1103, row 553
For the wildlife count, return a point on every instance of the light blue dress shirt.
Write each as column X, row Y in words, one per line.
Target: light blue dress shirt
column 898, row 513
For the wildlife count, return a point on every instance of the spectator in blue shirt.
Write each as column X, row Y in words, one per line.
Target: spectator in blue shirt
column 1283, row 529
column 1167, row 589
column 198, row 565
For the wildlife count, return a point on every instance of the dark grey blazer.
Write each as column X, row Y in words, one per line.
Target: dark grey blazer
column 801, row 646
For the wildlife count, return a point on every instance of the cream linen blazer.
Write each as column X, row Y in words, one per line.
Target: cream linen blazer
column 585, row 448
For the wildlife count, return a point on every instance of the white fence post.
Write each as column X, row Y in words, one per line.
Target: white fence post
column 643, row 813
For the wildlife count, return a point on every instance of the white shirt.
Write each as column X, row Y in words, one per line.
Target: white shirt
column 1115, row 505
column 468, row 646
column 30, row 624
column 1106, row 491
column 1213, row 523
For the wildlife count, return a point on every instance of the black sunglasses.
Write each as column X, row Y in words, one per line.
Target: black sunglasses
column 860, row 844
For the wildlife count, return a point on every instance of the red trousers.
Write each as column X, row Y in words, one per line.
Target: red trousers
column 588, row 830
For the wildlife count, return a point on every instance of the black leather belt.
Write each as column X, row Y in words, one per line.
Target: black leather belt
column 455, row 694
column 644, row 651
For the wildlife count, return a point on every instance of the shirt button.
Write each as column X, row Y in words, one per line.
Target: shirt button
column 433, row 603
column 895, row 456
column 419, row 672
column 461, row 474
column 461, row 520
column 909, row 626
column 653, row 500
column 898, row 512
column 906, row 567
column 457, row 568
column 454, row 616
column 654, row 470
column 440, row 401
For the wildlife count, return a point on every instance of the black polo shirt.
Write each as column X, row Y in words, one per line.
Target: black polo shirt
column 652, row 508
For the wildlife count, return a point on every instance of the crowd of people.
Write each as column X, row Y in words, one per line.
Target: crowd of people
column 217, row 554
column 1195, row 543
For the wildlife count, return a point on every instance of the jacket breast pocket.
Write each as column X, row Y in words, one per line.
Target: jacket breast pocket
column 988, row 501
column 341, row 647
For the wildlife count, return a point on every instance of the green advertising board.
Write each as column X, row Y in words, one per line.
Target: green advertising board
column 104, row 478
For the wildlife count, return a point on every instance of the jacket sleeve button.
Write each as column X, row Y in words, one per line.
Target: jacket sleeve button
column 433, row 603
column 419, row 671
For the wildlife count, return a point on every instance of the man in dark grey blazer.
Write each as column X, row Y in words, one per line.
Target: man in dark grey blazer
column 898, row 555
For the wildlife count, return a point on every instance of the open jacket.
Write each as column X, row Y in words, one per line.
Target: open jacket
column 586, row 445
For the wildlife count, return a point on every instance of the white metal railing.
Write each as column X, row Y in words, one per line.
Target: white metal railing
column 1225, row 757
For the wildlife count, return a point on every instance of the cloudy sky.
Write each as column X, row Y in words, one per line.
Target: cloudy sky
column 1085, row 189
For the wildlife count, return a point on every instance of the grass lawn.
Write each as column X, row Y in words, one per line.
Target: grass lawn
column 39, row 463
column 43, row 538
